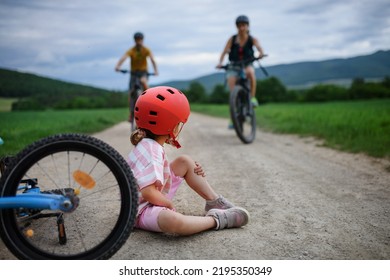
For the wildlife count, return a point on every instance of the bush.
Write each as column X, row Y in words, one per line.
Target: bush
column 271, row 90
column 220, row 95
column 27, row 104
column 196, row 93
column 72, row 102
column 321, row 93
column 361, row 90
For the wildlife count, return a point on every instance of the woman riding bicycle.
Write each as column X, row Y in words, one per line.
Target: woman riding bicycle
column 240, row 47
column 138, row 55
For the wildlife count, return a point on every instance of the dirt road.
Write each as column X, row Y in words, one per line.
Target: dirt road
column 305, row 201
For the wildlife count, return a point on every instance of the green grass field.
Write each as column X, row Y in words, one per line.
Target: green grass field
column 361, row 126
column 18, row 129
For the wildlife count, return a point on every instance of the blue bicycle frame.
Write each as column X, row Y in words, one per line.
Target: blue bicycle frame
column 36, row 201
column 33, row 199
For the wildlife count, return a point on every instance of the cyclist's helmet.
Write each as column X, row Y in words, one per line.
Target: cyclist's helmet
column 138, row 35
column 242, row 19
column 162, row 109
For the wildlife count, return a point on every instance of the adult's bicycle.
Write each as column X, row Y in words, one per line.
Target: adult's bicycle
column 242, row 113
column 67, row 196
column 136, row 89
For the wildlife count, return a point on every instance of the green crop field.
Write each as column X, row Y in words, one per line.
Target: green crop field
column 17, row 129
column 360, row 126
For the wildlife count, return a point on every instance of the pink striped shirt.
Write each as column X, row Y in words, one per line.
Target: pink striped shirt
column 150, row 166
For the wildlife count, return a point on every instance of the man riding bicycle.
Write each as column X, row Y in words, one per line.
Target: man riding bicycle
column 138, row 55
column 240, row 47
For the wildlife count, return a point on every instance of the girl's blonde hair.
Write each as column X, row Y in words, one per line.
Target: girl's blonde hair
column 136, row 136
column 139, row 134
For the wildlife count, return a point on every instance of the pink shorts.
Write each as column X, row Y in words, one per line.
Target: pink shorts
column 148, row 218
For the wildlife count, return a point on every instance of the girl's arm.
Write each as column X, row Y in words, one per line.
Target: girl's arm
column 154, row 64
column 155, row 197
column 225, row 51
column 121, row 60
column 258, row 47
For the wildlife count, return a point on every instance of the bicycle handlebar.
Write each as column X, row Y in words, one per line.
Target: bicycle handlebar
column 125, row 71
column 241, row 63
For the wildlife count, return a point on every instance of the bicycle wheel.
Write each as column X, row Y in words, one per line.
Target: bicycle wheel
column 131, row 111
column 242, row 115
column 106, row 211
column 133, row 100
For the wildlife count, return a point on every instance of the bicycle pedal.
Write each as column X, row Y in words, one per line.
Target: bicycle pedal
column 61, row 230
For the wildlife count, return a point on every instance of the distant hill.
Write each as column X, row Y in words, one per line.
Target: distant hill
column 294, row 75
column 19, row 84
column 37, row 93
column 304, row 74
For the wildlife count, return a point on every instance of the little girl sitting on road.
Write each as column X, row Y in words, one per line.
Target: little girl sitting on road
column 160, row 114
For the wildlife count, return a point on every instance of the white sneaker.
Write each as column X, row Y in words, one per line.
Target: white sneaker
column 229, row 218
column 219, row 203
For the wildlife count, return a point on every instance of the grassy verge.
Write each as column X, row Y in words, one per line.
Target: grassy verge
column 19, row 129
column 362, row 126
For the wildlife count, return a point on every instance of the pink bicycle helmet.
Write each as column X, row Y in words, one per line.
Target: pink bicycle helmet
column 160, row 110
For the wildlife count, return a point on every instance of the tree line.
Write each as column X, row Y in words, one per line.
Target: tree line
column 37, row 93
column 271, row 90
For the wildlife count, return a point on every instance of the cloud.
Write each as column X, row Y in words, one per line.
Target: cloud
column 81, row 41
column 190, row 59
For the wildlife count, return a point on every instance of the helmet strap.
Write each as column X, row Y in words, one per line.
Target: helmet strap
column 172, row 141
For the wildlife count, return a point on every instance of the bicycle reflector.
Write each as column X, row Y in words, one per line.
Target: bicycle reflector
column 84, row 179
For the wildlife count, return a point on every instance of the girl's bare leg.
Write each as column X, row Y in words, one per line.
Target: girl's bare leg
column 231, row 82
column 183, row 166
column 173, row 222
column 250, row 72
column 144, row 82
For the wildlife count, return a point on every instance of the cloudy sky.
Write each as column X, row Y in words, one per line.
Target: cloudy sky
column 81, row 41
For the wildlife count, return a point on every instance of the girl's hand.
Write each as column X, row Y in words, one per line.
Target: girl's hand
column 155, row 197
column 198, row 170
column 171, row 206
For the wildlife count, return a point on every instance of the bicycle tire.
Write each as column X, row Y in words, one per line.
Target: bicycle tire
column 242, row 114
column 105, row 216
column 134, row 99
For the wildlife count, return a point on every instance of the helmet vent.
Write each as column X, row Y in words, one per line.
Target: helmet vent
column 152, row 122
column 153, row 113
column 170, row 91
column 159, row 96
